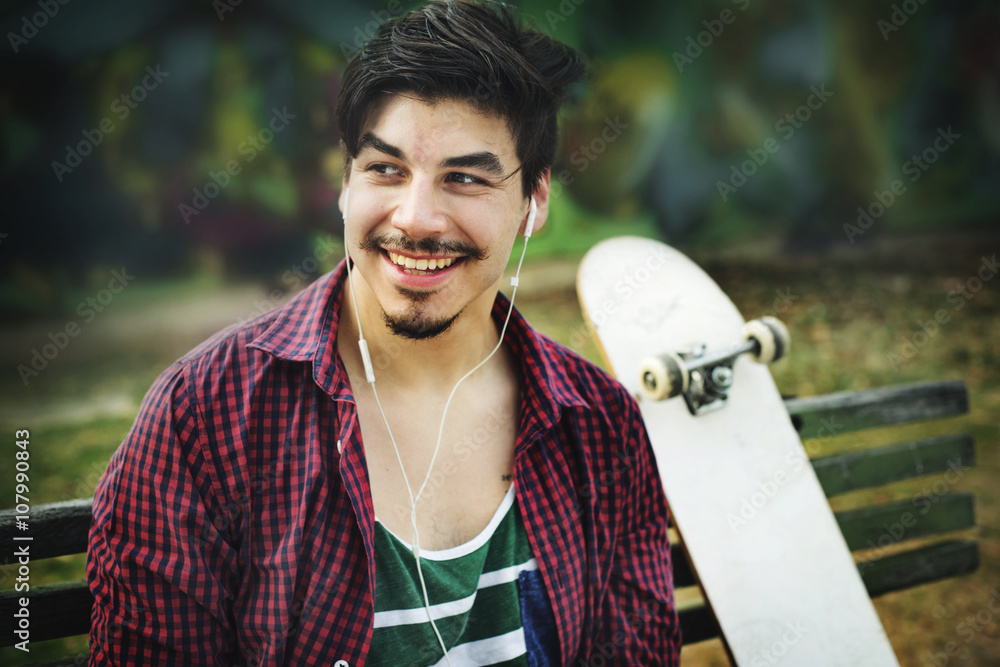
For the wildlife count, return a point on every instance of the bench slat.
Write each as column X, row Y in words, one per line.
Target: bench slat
column 881, row 576
column 846, row 411
column 683, row 575
column 57, row 529
column 877, row 466
column 920, row 566
column 892, row 523
column 697, row 623
column 55, row 606
column 878, row 527
column 57, row 610
column 75, row 660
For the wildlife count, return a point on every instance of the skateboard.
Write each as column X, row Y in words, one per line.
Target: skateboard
column 752, row 517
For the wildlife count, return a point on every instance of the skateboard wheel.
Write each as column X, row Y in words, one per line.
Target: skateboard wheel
column 663, row 376
column 772, row 337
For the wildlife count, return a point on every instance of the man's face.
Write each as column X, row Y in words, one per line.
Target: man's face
column 434, row 208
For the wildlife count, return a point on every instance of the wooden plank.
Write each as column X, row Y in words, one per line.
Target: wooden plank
column 949, row 454
column 847, row 411
column 63, row 610
column 885, row 575
column 75, row 660
column 683, row 575
column 57, row 610
column 862, row 529
column 697, row 623
column 919, row 566
column 56, row 529
column 881, row 526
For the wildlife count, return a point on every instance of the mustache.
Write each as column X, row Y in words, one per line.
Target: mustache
column 375, row 242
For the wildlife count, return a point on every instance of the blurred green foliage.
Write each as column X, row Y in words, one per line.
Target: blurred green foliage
column 699, row 117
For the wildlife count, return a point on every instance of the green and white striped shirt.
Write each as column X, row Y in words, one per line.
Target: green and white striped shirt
column 473, row 591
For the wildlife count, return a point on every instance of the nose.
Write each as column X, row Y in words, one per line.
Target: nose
column 418, row 213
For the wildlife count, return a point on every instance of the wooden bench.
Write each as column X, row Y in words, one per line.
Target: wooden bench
column 63, row 609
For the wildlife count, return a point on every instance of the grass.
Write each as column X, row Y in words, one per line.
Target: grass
column 850, row 321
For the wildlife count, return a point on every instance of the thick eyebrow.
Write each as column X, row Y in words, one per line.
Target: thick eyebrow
column 369, row 140
column 484, row 160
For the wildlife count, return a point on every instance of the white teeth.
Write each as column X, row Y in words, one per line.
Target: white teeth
column 420, row 264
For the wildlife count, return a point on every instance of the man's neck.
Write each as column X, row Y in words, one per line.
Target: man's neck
column 430, row 364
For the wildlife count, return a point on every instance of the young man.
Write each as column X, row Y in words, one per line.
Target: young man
column 289, row 495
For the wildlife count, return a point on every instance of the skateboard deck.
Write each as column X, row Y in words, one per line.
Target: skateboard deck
column 759, row 531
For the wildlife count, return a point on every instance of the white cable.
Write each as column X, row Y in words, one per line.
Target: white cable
column 514, row 282
column 370, row 377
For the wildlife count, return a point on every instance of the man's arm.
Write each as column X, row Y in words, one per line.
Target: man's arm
column 158, row 564
column 638, row 624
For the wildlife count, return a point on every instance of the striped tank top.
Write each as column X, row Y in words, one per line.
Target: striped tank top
column 474, row 597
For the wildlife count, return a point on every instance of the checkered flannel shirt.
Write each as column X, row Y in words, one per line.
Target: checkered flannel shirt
column 234, row 525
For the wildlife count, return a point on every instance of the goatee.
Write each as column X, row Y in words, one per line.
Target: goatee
column 415, row 326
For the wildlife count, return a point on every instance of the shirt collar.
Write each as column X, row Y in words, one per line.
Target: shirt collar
column 305, row 330
column 545, row 383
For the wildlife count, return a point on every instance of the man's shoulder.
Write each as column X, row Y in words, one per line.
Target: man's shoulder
column 291, row 331
column 229, row 341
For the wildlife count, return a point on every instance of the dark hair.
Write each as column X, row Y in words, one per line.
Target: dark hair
column 477, row 52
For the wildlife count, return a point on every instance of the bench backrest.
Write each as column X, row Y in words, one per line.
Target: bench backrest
column 873, row 530
column 63, row 609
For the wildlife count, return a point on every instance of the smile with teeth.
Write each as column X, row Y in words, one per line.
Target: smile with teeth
column 420, row 266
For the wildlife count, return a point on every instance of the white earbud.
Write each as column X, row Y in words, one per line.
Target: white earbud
column 366, row 357
column 347, row 198
column 532, row 211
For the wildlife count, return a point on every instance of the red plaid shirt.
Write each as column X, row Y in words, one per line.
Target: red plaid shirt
column 230, row 528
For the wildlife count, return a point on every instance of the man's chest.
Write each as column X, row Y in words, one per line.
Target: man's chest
column 458, row 489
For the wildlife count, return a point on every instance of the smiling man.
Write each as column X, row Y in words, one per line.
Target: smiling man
column 395, row 468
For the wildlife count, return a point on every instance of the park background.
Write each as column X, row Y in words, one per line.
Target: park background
column 835, row 163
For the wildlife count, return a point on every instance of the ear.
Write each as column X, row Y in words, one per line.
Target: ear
column 541, row 195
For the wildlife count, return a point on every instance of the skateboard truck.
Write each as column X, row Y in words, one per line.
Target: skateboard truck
column 704, row 377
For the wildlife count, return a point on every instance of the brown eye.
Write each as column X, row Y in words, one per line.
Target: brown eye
column 465, row 179
column 384, row 169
